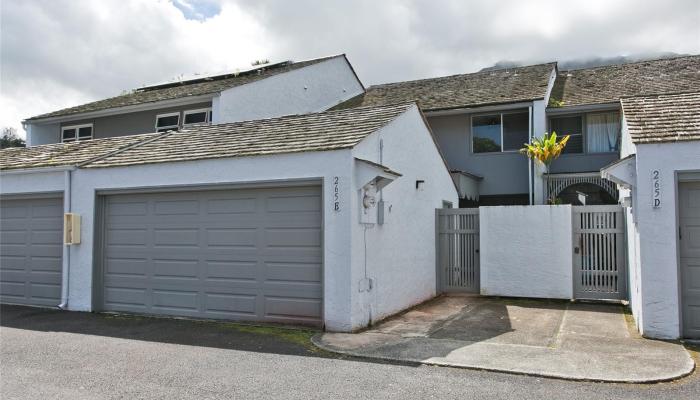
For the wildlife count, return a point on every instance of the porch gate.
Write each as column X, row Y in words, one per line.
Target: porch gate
column 599, row 252
column 457, row 236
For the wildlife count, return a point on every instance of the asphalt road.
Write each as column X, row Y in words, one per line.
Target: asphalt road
column 52, row 354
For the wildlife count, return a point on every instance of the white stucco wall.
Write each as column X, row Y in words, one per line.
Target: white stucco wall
column 310, row 89
column 656, row 305
column 42, row 134
column 401, row 252
column 510, row 267
column 28, row 183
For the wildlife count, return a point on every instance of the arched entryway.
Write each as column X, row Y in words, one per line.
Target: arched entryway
column 589, row 193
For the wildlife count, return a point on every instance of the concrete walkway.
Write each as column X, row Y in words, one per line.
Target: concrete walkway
column 535, row 337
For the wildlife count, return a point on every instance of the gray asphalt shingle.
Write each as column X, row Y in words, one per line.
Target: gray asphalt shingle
column 607, row 84
column 330, row 130
column 189, row 88
column 510, row 85
column 663, row 118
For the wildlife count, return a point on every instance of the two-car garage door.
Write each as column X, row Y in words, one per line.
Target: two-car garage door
column 249, row 254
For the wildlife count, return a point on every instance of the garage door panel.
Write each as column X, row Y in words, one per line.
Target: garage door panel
column 31, row 233
column 216, row 254
column 292, row 308
column 228, row 305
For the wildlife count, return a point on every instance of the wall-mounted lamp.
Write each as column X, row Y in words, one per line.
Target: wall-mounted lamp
column 419, row 184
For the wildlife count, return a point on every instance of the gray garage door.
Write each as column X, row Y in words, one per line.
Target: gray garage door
column 31, row 233
column 248, row 254
column 689, row 205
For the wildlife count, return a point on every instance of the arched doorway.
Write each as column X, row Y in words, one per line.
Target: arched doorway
column 591, row 193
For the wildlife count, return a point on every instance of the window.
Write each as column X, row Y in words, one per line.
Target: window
column 500, row 132
column 572, row 126
column 602, row 132
column 76, row 132
column 167, row 122
column 192, row 117
column 590, row 133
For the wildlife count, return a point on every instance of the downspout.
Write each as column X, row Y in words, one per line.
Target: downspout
column 529, row 161
column 66, row 248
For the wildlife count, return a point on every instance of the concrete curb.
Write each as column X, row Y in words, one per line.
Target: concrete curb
column 687, row 370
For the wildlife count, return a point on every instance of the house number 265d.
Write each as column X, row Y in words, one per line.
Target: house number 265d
column 655, row 189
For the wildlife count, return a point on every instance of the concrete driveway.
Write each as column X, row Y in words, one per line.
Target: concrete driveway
column 545, row 338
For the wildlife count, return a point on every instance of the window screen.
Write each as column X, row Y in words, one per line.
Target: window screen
column 195, row 117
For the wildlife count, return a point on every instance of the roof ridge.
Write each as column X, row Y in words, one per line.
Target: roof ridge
column 629, row 63
column 463, row 74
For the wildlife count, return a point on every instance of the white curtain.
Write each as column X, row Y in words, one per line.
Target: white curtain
column 602, row 132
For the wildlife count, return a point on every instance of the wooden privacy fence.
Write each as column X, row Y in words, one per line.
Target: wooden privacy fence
column 599, row 251
column 457, row 231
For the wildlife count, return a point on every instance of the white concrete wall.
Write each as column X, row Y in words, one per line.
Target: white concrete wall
column 657, row 267
column 526, row 251
column 43, row 134
column 310, row 89
column 401, row 252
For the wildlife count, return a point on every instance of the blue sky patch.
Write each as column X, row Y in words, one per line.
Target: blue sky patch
column 198, row 10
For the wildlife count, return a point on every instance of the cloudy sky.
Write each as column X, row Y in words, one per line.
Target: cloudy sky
column 59, row 53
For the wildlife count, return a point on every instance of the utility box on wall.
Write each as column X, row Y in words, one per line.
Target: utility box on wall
column 71, row 228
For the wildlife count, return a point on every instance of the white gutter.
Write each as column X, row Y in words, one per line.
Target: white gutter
column 39, row 170
column 65, row 273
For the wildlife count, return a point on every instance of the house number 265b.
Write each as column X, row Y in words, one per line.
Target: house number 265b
column 336, row 194
column 655, row 189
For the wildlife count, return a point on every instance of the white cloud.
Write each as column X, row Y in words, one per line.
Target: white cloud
column 59, row 53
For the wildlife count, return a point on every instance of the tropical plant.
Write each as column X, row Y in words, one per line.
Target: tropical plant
column 545, row 149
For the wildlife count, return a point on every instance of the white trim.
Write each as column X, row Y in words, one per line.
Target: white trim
column 479, row 109
column 166, row 127
column 583, row 108
column 206, row 111
column 77, row 137
column 39, row 170
column 125, row 109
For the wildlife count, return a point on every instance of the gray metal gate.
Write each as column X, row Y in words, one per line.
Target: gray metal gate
column 599, row 252
column 457, row 231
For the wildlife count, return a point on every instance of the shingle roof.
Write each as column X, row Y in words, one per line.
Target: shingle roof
column 608, row 84
column 663, row 118
column 64, row 154
column 189, row 88
column 509, row 85
column 331, row 130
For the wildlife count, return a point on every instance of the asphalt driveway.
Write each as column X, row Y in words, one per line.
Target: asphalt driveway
column 49, row 354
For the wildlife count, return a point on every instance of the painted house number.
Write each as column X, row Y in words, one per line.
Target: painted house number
column 655, row 189
column 336, row 194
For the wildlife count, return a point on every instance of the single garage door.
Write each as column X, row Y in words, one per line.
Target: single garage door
column 31, row 232
column 244, row 254
column 689, row 205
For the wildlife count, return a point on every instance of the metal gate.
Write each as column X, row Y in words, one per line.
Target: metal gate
column 457, row 231
column 599, row 252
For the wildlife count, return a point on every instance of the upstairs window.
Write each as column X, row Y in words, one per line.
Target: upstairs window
column 167, row 122
column 572, row 126
column 193, row 117
column 500, row 132
column 602, row 132
column 590, row 133
column 76, row 132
